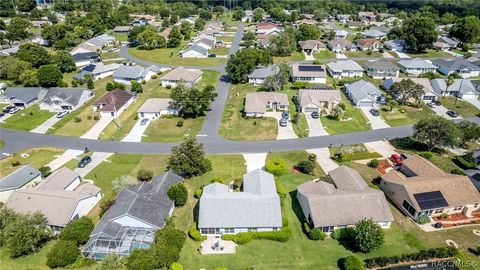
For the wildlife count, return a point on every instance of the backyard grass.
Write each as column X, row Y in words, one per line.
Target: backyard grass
column 357, row 122
column 123, row 37
column 429, row 53
column 170, row 56
column 37, row 157
column 37, row 260
column 27, row 119
column 220, row 50
column 324, row 54
column 362, row 54
column 167, row 130
column 463, row 108
column 410, row 117
column 209, row 77
column 295, row 56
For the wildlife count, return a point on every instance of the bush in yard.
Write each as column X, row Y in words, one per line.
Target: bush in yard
column 374, row 163
column 112, row 262
column 89, row 117
column 433, row 253
column 62, row 254
column 306, row 228
column 306, row 166
column 154, row 76
column 198, row 193
column 142, row 259
column 144, row 175
column 16, row 163
column 77, row 231
column 239, row 238
column 343, row 233
column 426, row 154
column 178, row 193
column 423, row 219
column 195, row 234
column 338, row 157
column 218, row 180
column 176, row 266
column 77, row 119
column 45, row 170
column 352, row 262
column 96, row 117
column 180, row 123
column 464, row 162
column 443, row 216
column 276, row 166
column 317, row 234
column 170, row 237
column 457, row 171
column 368, row 236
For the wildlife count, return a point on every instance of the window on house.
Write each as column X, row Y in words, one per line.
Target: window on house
column 406, row 205
column 229, row 230
column 252, row 229
column 458, row 208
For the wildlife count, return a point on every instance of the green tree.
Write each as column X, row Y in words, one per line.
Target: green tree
column 142, row 259
column 29, row 78
column 49, row 75
column 199, row 24
column 77, row 231
column 205, row 15
column 283, row 44
column 64, row 61
column 144, row 175
column 16, row 69
column 112, row 262
column 244, row 61
column 308, row 31
column 178, row 193
column 45, row 170
column 276, row 166
column 470, row 132
column 258, row 14
column 186, row 30
column 33, row 53
column 17, row 30
column 149, row 40
column 190, row 101
column 189, row 158
column 406, row 90
column 171, row 237
column 436, row 131
column 90, row 83
column 62, row 254
column 174, row 38
column 25, row 5
column 7, row 216
column 176, row 266
column 352, row 262
column 419, row 33
column 466, row 29
column 368, row 236
column 238, row 13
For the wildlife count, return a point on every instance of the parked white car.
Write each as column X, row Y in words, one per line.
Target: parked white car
column 61, row 114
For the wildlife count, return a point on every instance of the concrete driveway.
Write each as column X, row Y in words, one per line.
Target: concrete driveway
column 135, row 135
column 474, row 102
column 283, row 132
column 341, row 56
column 385, row 54
column 323, row 159
column 442, row 111
column 43, row 128
column 96, row 130
column 97, row 158
column 315, row 127
column 309, row 57
column 401, row 54
column 375, row 121
column 384, row 148
column 63, row 159
column 255, row 161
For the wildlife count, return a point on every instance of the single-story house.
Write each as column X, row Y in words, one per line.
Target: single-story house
column 379, row 69
column 194, row 51
column 368, row 44
column 165, row 32
column 65, row 99
column 86, row 58
column 85, row 47
column 131, row 222
column 154, row 108
column 267, row 28
column 354, row 24
column 311, row 100
column 122, row 29
column 97, row 70
column 308, row 73
column 264, row 41
column 126, row 74
column 205, row 43
column 257, row 103
column 215, row 26
column 343, row 203
column 395, row 45
column 429, row 93
column 341, row 45
column 442, row 46
column 364, row 94
column 344, row 18
column 255, row 209
column 22, row 96
column 23, row 177
column 462, row 88
column 340, row 34
column 344, row 68
column 421, row 188
column 416, row 66
column 373, row 33
column 102, row 40
column 61, row 197
column 460, row 66
column 189, row 76
column 366, row 15
column 114, row 102
column 447, row 40
column 311, row 46
column 259, row 75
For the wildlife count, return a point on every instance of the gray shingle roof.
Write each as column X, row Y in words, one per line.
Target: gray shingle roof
column 362, row 90
column 456, row 64
column 463, row 86
column 197, row 48
column 416, row 63
column 344, row 65
column 26, row 94
column 380, row 65
column 70, row 95
column 263, row 72
column 19, row 178
column 257, row 206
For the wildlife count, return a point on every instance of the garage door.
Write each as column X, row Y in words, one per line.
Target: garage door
column 365, row 104
column 310, row 109
column 469, row 96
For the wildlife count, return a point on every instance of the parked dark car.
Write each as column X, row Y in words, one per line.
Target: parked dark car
column 2, row 114
column 285, row 115
column 374, row 112
column 144, row 121
column 212, row 55
column 437, row 102
column 452, row 114
column 8, row 108
column 315, row 115
column 283, row 122
column 84, row 161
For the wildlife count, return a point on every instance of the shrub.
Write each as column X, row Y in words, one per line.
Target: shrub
column 374, row 163
column 317, row 234
column 423, row 219
column 276, row 166
column 89, row 117
column 168, row 86
column 338, row 157
column 433, row 253
column 443, row 216
column 307, row 167
column 31, row 113
column 144, row 175
column 239, row 238
column 217, row 180
column 457, row 171
column 368, row 236
column 281, row 192
column 96, row 117
column 426, row 155
column 195, row 234
column 175, row 265
column 77, row 231
column 45, row 170
column 178, row 193
column 464, row 163
column 198, row 193
column 144, row 82
column 306, row 228
column 16, row 163
column 352, row 263
column 170, row 237
column 281, row 235
column 180, row 123
column 343, row 233
column 62, row 254
column 77, row 119
column 154, row 76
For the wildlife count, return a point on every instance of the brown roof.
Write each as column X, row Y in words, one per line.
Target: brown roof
column 152, row 105
column 58, row 180
column 366, row 41
column 311, row 44
column 257, row 102
column 114, row 99
column 266, row 25
column 189, row 75
column 308, row 70
column 166, row 32
column 354, row 23
column 342, row 42
column 315, row 97
column 307, row 21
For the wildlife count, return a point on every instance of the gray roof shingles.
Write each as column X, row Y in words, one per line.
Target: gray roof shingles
column 19, row 178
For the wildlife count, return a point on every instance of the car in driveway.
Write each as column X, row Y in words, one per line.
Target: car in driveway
column 2, row 115
column 84, row 161
column 315, row 115
column 396, row 159
column 144, row 121
column 452, row 114
column 374, row 112
column 14, row 110
column 431, row 104
column 8, row 108
column 61, row 114
column 285, row 115
column 283, row 122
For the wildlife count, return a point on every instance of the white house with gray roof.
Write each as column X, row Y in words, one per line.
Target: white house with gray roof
column 373, row 33
column 189, row 76
column 259, row 75
column 344, row 68
column 195, row 51
column 364, row 94
column 22, row 96
column 65, row 99
column 460, row 66
column 330, row 206
column 255, row 209
column 24, row 177
column 97, row 70
column 462, row 88
column 126, row 74
column 416, row 66
column 131, row 222
column 154, row 108
column 311, row 100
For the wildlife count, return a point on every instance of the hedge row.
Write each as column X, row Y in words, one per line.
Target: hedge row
column 433, row 253
column 242, row 238
column 465, row 164
column 195, row 234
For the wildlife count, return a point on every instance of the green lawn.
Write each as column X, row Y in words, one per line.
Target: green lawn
column 109, row 55
column 236, row 127
column 170, row 56
column 38, row 157
column 429, row 53
column 27, row 119
column 123, row 37
column 35, row 261
column 324, row 54
column 295, row 56
column 209, row 77
column 362, row 54
column 357, row 122
column 462, row 107
column 220, row 50
column 410, row 117
column 225, row 38
column 166, row 129
column 354, row 152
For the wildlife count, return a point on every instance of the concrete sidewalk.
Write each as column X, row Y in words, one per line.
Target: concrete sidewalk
column 323, row 159
column 43, row 128
column 63, row 159
column 255, row 161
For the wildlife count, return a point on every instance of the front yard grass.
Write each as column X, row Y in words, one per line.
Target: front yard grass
column 225, row 38
column 410, row 117
column 324, row 54
column 37, row 157
column 167, row 129
column 220, row 50
column 357, row 122
column 362, row 54
column 27, row 119
column 110, row 55
column 429, row 54
column 462, row 107
column 354, row 152
column 295, row 56
column 236, row 127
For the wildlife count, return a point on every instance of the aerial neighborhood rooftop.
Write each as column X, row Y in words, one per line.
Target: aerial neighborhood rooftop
column 240, row 135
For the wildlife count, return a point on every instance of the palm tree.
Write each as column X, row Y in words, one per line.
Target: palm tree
column 392, row 103
column 449, row 81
